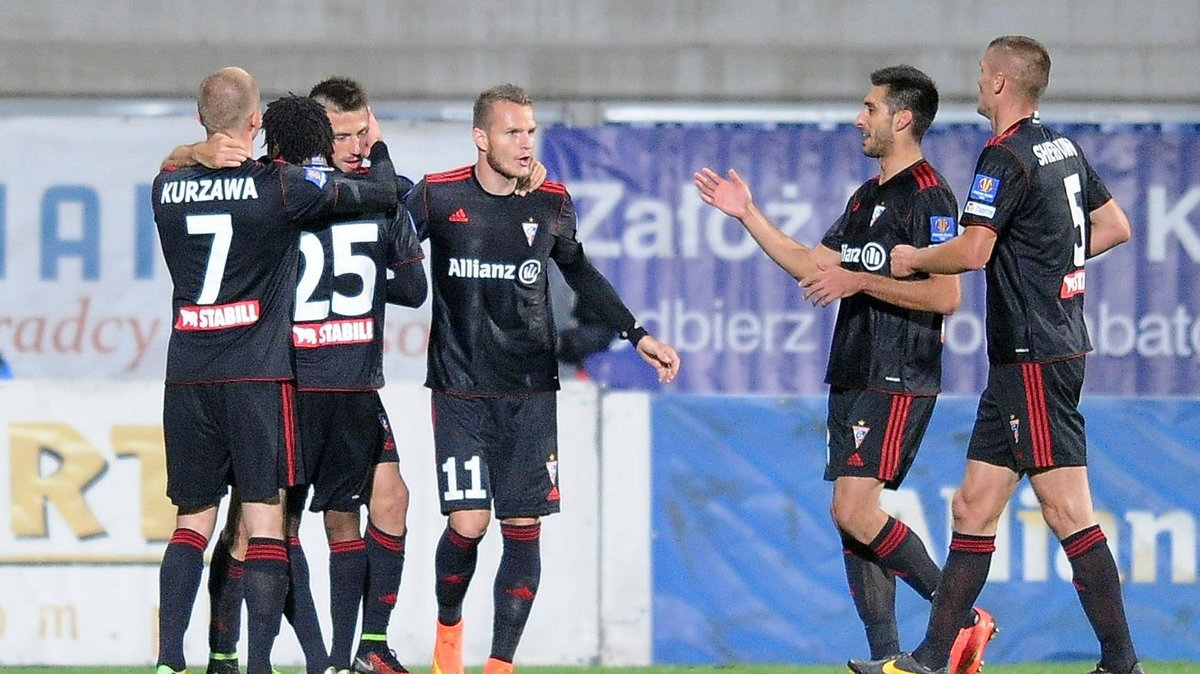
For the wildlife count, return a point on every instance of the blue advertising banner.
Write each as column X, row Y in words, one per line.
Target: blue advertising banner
column 747, row 566
column 696, row 279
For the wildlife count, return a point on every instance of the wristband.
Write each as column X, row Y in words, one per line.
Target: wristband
column 634, row 334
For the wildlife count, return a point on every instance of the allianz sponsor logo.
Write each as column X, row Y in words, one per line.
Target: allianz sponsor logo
column 349, row 331
column 469, row 267
column 871, row 256
column 226, row 189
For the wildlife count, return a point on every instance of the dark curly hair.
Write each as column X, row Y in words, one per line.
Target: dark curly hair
column 297, row 129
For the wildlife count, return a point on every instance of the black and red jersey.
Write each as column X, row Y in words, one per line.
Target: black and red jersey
column 493, row 331
column 877, row 345
column 341, row 297
column 1034, row 187
column 229, row 237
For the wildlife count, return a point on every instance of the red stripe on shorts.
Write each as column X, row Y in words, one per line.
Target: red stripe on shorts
column 893, row 437
column 1039, row 419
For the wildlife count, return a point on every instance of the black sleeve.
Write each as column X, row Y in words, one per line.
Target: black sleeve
column 408, row 287
column 594, row 291
column 311, row 194
column 418, row 208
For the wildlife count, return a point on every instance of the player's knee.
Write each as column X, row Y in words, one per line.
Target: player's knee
column 1064, row 520
column 973, row 514
column 341, row 525
column 470, row 523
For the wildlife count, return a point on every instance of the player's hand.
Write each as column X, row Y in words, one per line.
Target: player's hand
column 829, row 284
column 220, row 151
column 537, row 176
column 731, row 196
column 374, row 133
column 904, row 260
column 660, row 356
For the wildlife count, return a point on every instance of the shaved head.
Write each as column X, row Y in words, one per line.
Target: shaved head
column 1024, row 61
column 227, row 99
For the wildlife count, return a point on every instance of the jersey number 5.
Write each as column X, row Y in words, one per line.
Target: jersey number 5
column 1073, row 186
column 345, row 261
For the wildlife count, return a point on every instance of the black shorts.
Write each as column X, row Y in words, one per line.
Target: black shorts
column 231, row 433
column 875, row 433
column 497, row 451
column 343, row 435
column 1029, row 418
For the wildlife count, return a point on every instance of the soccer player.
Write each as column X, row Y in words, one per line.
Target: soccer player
column 229, row 239
column 1035, row 212
column 492, row 364
column 884, row 367
column 344, row 426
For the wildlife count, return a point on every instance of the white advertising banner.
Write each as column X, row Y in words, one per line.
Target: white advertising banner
column 85, row 291
column 83, row 523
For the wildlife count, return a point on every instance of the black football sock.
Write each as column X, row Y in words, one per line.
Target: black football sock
column 873, row 589
column 266, row 586
column 1099, row 588
column 225, row 600
column 347, row 578
column 301, row 611
column 901, row 551
column 454, row 564
column 962, row 580
column 516, row 586
column 385, row 565
column 178, row 583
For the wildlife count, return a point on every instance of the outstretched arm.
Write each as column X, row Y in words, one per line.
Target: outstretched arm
column 938, row 293
column 966, row 252
column 732, row 197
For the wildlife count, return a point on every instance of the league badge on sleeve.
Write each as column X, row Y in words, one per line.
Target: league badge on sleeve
column 315, row 176
column 984, row 188
column 942, row 228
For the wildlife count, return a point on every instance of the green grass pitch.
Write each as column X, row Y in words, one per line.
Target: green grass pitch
column 1029, row 668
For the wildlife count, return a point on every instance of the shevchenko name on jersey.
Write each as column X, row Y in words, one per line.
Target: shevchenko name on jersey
column 1035, row 189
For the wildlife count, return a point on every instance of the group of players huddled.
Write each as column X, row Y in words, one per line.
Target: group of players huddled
column 282, row 268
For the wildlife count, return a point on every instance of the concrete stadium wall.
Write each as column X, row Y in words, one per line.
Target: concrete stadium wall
column 704, row 50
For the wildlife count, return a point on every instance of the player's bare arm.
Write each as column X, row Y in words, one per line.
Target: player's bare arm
column 661, row 356
column 938, row 293
column 733, row 198
column 966, row 252
column 218, row 151
column 1110, row 228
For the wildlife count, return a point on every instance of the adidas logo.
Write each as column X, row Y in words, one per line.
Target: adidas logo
column 855, row 460
column 459, row 216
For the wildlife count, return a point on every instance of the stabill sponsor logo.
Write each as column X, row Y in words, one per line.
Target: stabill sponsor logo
column 218, row 316
column 349, row 331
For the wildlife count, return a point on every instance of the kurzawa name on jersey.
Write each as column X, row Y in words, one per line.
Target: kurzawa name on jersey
column 222, row 189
